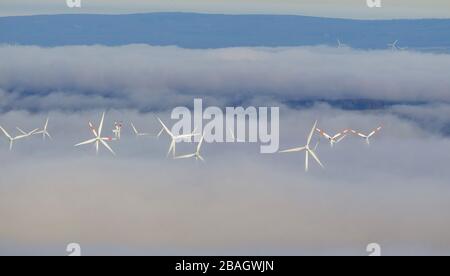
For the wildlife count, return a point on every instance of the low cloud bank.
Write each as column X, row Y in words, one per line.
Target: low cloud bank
column 156, row 78
column 394, row 192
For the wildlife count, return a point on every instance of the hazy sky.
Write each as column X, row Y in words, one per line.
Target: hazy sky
column 328, row 8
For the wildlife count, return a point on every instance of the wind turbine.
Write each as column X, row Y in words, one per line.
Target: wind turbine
column 175, row 138
column 98, row 137
column 196, row 154
column 341, row 45
column 44, row 131
column 137, row 133
column 307, row 149
column 393, row 46
column 117, row 130
column 333, row 139
column 367, row 137
column 12, row 139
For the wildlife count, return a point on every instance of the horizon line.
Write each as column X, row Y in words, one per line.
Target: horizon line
column 224, row 14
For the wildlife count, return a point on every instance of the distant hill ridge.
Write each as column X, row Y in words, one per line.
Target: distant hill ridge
column 190, row 30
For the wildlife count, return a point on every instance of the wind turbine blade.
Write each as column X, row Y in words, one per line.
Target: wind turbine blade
column 306, row 161
column 107, row 146
column 165, row 127
column 86, row 142
column 311, row 133
column 342, row 138
column 293, row 150
column 6, row 133
column 134, row 129
column 94, row 131
column 100, row 128
column 232, row 134
column 185, row 156
column 201, row 158
column 317, row 145
column 46, row 124
column 374, row 132
column 21, row 131
column 199, row 146
column 360, row 134
column 186, row 136
column 26, row 134
column 48, row 135
column 337, row 136
column 11, row 145
column 317, row 158
column 174, row 150
column 160, row 133
column 171, row 147
column 97, row 144
column 20, row 137
column 32, row 132
column 323, row 133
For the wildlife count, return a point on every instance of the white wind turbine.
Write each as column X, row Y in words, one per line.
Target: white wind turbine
column 137, row 133
column 117, row 130
column 393, row 46
column 175, row 138
column 98, row 137
column 197, row 154
column 333, row 139
column 44, row 131
column 367, row 137
column 341, row 45
column 13, row 139
column 307, row 149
